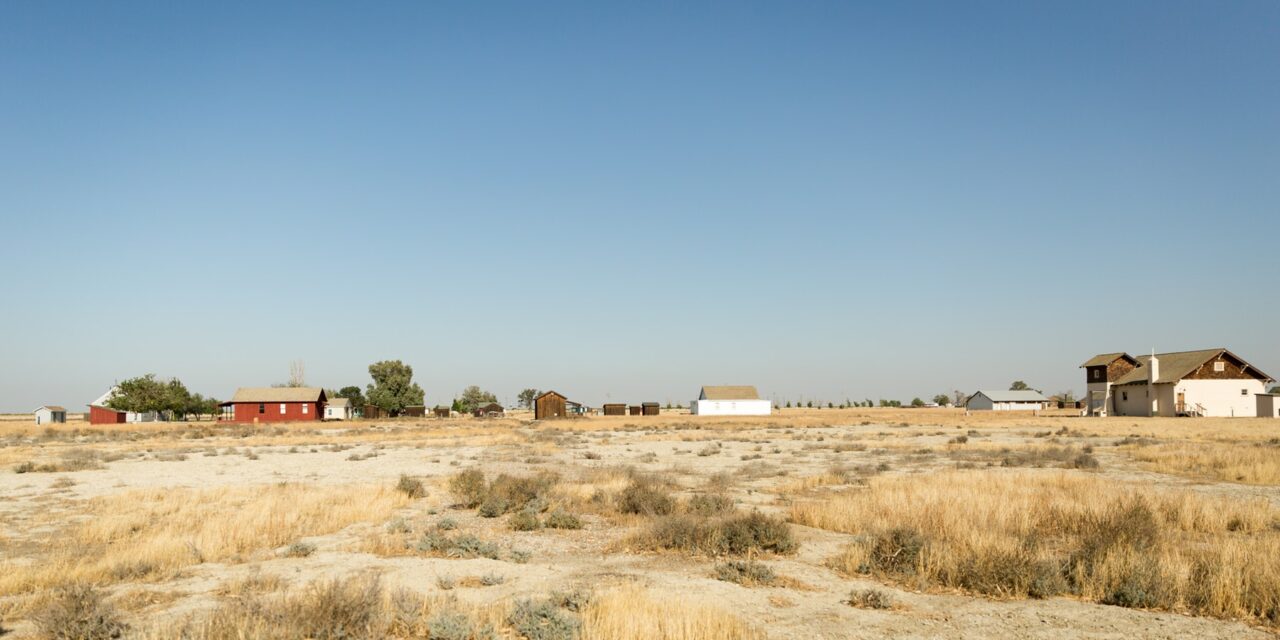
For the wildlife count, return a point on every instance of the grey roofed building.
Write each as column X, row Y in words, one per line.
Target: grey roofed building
column 1026, row 395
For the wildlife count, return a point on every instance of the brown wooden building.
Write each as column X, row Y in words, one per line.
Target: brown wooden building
column 440, row 412
column 615, row 409
column 650, row 408
column 490, row 410
column 550, row 406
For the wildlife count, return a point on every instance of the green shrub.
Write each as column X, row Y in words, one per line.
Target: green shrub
column 645, row 497
column 710, row 504
column 469, row 488
column 524, row 521
column 734, row 535
column 745, row 572
column 447, row 524
column 492, row 507
column 450, row 625
column 563, row 520
column 542, row 621
column 411, row 487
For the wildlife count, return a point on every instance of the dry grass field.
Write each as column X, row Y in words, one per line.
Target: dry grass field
column 859, row 523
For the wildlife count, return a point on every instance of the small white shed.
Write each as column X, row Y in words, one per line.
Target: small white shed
column 740, row 400
column 50, row 414
column 339, row 409
column 1268, row 405
column 988, row 400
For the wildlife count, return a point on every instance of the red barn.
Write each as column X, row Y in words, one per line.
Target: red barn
column 275, row 404
column 104, row 415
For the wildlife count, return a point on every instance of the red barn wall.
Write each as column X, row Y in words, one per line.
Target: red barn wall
column 103, row 415
column 248, row 411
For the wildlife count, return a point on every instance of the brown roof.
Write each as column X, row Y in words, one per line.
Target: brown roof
column 549, row 393
column 1178, row 365
column 52, row 407
column 278, row 394
column 340, row 402
column 740, row 392
column 1104, row 359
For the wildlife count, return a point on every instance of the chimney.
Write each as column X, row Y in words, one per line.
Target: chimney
column 1151, row 383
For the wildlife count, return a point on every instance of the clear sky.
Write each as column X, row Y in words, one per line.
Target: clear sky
column 624, row 201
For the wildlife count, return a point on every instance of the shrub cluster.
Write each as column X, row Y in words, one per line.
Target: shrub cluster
column 738, row 534
column 504, row 494
column 745, row 572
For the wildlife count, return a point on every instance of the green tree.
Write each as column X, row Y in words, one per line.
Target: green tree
column 527, row 397
column 1018, row 385
column 810, row 405
column 473, row 397
column 788, row 404
column 351, row 393
column 456, row 406
column 942, row 399
column 393, row 387
column 917, row 402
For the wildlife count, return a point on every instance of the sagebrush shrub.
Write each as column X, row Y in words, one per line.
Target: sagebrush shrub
column 710, row 504
column 647, row 498
column 542, row 621
column 411, row 487
column 78, row 613
column 563, row 520
column 871, row 599
column 745, row 572
column 469, row 488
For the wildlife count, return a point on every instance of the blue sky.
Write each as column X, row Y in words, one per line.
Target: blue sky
column 618, row 201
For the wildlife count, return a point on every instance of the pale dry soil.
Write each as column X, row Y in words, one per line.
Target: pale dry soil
column 790, row 446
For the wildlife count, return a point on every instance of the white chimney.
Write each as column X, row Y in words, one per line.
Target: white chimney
column 1152, row 375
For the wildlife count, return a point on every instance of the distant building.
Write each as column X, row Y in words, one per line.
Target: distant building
column 275, row 404
column 989, row 400
column 100, row 413
column 1209, row 382
column 489, row 410
column 549, row 406
column 741, row 400
column 51, row 414
column 614, row 409
column 339, row 409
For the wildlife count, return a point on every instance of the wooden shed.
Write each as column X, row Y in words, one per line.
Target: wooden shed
column 440, row 412
column 549, row 406
column 490, row 410
column 615, row 409
column 415, row 411
column 635, row 410
column 372, row 412
column 51, row 414
column 650, row 408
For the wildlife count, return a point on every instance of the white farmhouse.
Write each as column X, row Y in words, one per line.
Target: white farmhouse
column 730, row 401
column 339, row 409
column 988, row 400
column 51, row 414
column 1209, row 382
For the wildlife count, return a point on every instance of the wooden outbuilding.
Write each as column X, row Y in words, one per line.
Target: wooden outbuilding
column 615, row 409
column 276, row 404
column 51, row 414
column 550, row 406
column 650, row 408
column 490, row 410
column 635, row 410
column 373, row 412
column 414, row 411
column 440, row 412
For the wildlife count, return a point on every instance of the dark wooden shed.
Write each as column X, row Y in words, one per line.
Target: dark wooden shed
column 650, row 408
column 635, row 410
column 372, row 412
column 440, row 412
column 615, row 409
column 419, row 411
column 549, row 406
column 492, row 409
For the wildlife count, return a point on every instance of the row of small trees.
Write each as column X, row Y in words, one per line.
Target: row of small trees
column 168, row 398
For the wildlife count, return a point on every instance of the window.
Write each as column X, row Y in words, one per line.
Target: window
column 281, row 408
column 1097, row 374
column 1244, row 392
column 1124, row 395
column 1219, row 366
column 304, row 409
column 262, row 407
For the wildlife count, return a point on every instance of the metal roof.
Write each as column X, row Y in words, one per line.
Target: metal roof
column 1026, row 395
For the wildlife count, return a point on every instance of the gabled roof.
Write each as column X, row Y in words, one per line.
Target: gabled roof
column 1178, row 365
column 340, row 402
column 740, row 392
column 1026, row 395
column 278, row 394
column 550, row 393
column 51, row 407
column 1106, row 358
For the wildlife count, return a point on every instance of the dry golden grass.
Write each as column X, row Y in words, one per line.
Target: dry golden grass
column 1018, row 534
column 633, row 613
column 1255, row 463
column 153, row 534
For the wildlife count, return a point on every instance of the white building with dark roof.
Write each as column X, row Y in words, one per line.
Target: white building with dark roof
column 1208, row 382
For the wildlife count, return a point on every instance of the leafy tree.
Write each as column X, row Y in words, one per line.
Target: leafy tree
column 393, row 387
column 959, row 397
column 869, row 403
column 917, row 402
column 1018, row 385
column 527, row 397
column 810, row 405
column 456, row 406
column 1275, row 390
column 473, row 397
column 146, row 394
column 942, row 399
column 351, row 393
column 830, row 406
column 788, row 404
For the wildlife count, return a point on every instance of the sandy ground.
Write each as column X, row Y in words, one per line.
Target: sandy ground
column 812, row 606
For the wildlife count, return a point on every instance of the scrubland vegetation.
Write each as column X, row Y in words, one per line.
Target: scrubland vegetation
column 812, row 523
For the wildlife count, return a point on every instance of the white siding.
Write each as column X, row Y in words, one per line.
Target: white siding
column 1223, row 398
column 731, row 407
column 337, row 413
column 980, row 402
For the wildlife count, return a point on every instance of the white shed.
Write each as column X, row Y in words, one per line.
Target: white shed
column 741, row 400
column 339, row 409
column 987, row 400
column 50, row 414
column 1268, row 405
